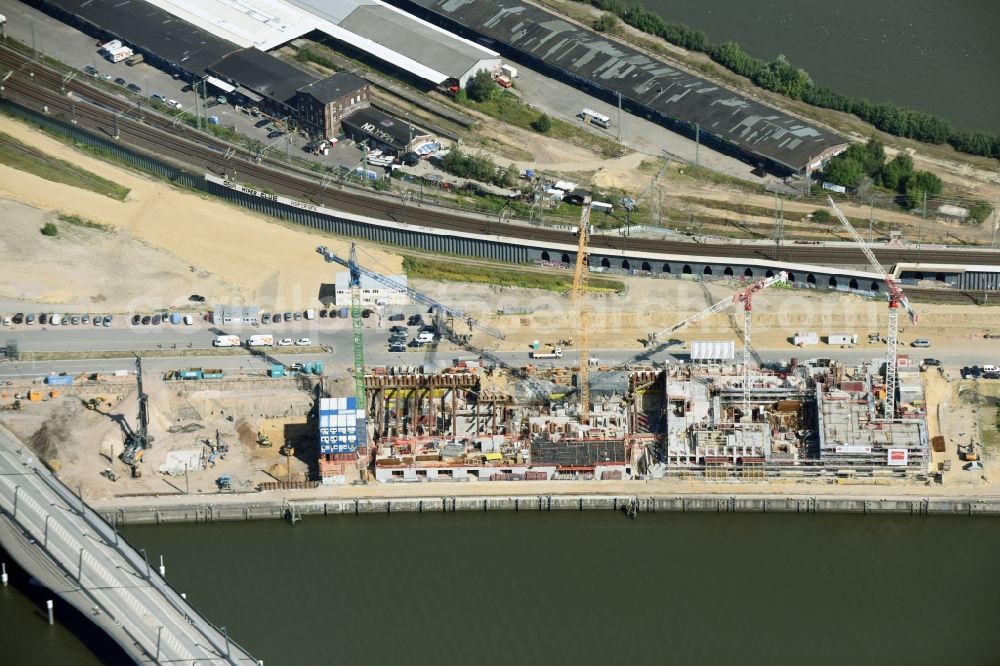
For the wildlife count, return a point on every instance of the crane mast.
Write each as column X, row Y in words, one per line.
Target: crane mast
column 744, row 296
column 896, row 299
column 580, row 275
column 357, row 329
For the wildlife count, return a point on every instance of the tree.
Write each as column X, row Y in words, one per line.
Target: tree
column 921, row 185
column 844, row 170
column 482, row 87
column 979, row 211
column 821, row 215
column 896, row 172
column 49, row 229
column 542, row 124
column 605, row 22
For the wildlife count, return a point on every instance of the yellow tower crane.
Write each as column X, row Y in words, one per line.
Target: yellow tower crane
column 580, row 306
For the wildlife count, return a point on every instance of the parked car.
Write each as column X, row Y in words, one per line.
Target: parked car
column 107, row 320
column 19, row 318
column 76, row 319
column 297, row 316
column 175, row 104
column 275, row 134
column 156, row 320
column 43, row 318
column 98, row 320
column 921, row 342
column 285, row 342
column 296, row 367
column 265, row 318
column 366, row 313
column 263, row 122
column 397, row 317
column 976, row 372
column 134, row 88
column 30, row 319
column 397, row 348
column 415, row 320
column 160, row 98
column 146, row 319
column 136, row 320
column 120, row 81
column 196, row 298
column 85, row 319
column 288, row 316
column 932, row 362
column 415, row 343
column 303, row 342
column 974, row 466
column 90, row 69
column 398, row 329
column 323, row 314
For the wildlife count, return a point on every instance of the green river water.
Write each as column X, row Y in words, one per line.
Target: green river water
column 582, row 588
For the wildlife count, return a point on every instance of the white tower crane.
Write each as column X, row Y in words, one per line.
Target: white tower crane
column 896, row 299
column 744, row 296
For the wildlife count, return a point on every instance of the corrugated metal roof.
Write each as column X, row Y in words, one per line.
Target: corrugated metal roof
column 640, row 78
column 723, row 350
column 263, row 74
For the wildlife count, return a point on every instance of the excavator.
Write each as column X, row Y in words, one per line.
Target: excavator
column 137, row 440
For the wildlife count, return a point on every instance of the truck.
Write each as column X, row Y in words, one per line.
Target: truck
column 555, row 353
column 842, row 339
column 805, row 338
column 134, row 60
column 503, row 82
column 226, row 341
column 260, row 341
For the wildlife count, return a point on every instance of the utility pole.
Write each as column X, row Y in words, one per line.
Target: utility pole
column 619, row 117
column 697, row 143
column 996, row 220
column 871, row 217
column 925, row 204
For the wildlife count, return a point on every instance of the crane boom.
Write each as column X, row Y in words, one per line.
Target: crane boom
column 409, row 291
column 896, row 299
column 742, row 296
column 580, row 276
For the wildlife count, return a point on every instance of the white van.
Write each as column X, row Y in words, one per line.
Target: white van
column 188, row 320
column 55, row 319
column 425, row 336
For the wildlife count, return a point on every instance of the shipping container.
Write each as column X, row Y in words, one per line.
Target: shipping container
column 805, row 338
column 59, row 380
column 318, row 368
column 938, row 444
column 841, row 339
column 190, row 373
column 213, row 373
column 276, row 371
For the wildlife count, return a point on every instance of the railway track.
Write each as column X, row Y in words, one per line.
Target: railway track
column 175, row 141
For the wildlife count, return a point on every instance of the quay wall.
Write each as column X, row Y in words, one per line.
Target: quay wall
column 263, row 508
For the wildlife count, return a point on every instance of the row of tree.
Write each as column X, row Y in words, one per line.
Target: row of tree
column 780, row 76
column 478, row 167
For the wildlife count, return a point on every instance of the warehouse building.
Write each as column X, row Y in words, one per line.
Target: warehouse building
column 323, row 104
column 720, row 118
column 259, row 79
column 367, row 27
column 383, row 132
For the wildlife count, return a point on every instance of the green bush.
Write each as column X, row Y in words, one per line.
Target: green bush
column 482, row 87
column 821, row 215
column 542, row 124
column 50, row 229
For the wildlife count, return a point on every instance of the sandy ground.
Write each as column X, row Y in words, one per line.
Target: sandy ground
column 623, row 321
column 240, row 257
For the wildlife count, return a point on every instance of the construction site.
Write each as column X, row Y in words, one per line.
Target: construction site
column 709, row 414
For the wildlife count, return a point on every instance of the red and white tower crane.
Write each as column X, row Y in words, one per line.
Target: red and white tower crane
column 744, row 296
column 896, row 299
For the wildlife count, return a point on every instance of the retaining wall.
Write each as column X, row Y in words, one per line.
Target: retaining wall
column 260, row 508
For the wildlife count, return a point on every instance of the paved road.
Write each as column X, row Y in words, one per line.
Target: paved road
column 142, row 613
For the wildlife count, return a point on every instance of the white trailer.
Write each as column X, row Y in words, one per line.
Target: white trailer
column 555, row 353
column 805, row 338
column 226, row 341
column 842, row 339
column 260, row 341
column 509, row 71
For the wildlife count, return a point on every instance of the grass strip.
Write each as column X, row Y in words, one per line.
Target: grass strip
column 22, row 157
column 429, row 269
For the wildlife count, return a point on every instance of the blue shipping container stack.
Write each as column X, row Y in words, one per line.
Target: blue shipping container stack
column 341, row 425
column 59, row 380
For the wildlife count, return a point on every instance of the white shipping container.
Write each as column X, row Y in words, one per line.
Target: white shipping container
column 805, row 338
column 841, row 339
column 509, row 71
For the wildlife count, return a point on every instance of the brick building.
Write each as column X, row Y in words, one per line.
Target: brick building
column 324, row 103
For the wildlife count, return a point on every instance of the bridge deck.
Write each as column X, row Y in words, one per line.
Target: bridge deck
column 66, row 545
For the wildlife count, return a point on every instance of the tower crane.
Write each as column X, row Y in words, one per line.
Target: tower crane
column 580, row 276
column 744, row 296
column 896, row 299
column 356, row 271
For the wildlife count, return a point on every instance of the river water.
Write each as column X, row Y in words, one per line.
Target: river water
column 582, row 588
column 940, row 57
